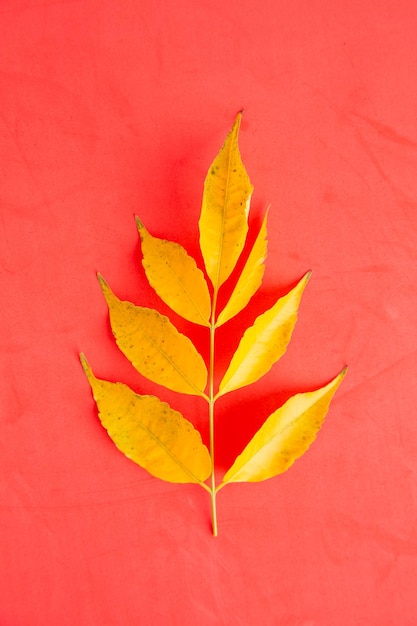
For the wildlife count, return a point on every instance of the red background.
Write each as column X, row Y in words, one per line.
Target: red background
column 113, row 108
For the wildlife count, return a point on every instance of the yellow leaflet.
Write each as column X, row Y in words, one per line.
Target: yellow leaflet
column 284, row 437
column 250, row 279
column 224, row 213
column 150, row 433
column 264, row 342
column 155, row 347
column 175, row 277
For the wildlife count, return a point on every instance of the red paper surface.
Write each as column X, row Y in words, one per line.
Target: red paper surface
column 113, row 108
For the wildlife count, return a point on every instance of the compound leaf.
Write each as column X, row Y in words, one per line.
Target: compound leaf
column 250, row 279
column 175, row 277
column 265, row 342
column 155, row 347
column 284, row 437
column 224, row 213
column 149, row 432
column 146, row 429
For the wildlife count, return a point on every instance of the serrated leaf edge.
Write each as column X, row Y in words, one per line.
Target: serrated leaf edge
column 195, row 480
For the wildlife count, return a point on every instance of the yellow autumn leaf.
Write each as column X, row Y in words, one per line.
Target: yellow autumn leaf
column 250, row 279
column 155, row 347
column 265, row 342
column 145, row 428
column 175, row 277
column 150, row 433
column 284, row 437
column 224, row 213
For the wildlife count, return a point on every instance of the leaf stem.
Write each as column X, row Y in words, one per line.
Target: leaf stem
column 212, row 478
column 211, row 414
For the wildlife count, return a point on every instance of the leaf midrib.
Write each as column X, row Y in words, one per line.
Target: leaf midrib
column 187, row 293
column 258, row 339
column 274, row 436
column 226, row 197
column 170, row 361
column 168, row 451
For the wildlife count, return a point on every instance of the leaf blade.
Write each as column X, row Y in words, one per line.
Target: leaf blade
column 223, row 221
column 250, row 279
column 149, row 432
column 155, row 347
column 285, row 436
column 174, row 275
column 264, row 342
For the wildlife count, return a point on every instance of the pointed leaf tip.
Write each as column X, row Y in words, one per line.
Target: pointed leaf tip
column 101, row 280
column 84, row 362
column 139, row 224
column 343, row 372
column 87, row 369
column 238, row 118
